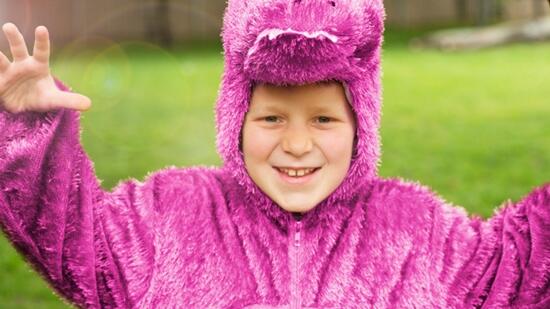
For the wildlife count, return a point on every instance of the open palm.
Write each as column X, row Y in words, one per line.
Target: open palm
column 26, row 83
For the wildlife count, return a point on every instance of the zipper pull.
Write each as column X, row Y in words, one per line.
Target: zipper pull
column 297, row 235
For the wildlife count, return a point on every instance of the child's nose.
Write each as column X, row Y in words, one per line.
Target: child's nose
column 296, row 142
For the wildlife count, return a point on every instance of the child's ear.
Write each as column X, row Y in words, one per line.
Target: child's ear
column 241, row 141
column 240, row 144
column 354, row 151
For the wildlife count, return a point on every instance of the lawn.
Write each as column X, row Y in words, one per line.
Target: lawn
column 473, row 126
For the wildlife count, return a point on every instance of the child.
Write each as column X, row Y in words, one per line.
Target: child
column 300, row 95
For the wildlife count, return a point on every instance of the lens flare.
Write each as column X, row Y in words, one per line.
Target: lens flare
column 109, row 76
column 98, row 67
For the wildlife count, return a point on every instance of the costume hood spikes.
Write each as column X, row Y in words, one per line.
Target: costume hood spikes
column 286, row 42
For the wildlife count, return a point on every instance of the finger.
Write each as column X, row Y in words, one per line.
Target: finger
column 71, row 100
column 4, row 62
column 17, row 42
column 41, row 51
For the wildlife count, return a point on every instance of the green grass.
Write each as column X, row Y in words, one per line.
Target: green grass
column 472, row 126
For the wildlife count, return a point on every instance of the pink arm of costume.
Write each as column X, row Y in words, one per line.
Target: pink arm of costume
column 94, row 248
column 503, row 262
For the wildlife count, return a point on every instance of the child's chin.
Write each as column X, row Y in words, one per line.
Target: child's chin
column 298, row 205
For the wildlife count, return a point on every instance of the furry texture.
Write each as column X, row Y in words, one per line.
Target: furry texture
column 207, row 237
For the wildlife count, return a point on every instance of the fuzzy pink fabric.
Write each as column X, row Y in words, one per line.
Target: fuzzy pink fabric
column 202, row 237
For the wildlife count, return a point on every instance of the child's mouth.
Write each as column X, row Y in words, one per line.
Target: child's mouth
column 299, row 176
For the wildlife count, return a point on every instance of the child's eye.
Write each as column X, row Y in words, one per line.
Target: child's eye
column 271, row 118
column 324, row 119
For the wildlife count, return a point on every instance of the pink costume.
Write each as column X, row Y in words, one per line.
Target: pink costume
column 203, row 237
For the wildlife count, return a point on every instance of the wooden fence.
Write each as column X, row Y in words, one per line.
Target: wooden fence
column 74, row 21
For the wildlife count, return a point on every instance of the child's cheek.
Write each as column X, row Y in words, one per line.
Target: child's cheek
column 336, row 146
column 258, row 144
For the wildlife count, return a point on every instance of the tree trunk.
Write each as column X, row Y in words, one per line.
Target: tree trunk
column 487, row 11
column 461, row 10
column 158, row 24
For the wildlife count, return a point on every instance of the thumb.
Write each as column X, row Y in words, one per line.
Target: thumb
column 71, row 100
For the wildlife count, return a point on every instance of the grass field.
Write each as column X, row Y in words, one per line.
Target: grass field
column 473, row 126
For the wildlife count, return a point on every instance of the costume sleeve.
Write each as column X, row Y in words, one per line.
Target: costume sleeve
column 502, row 262
column 94, row 248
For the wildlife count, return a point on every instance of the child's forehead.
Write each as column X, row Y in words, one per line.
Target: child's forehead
column 313, row 97
column 288, row 106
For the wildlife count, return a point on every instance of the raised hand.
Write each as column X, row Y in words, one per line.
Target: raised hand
column 26, row 83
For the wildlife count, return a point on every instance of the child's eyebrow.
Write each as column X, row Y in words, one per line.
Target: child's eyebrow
column 325, row 108
column 268, row 108
column 318, row 108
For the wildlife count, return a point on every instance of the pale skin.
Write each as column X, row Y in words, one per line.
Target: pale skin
column 26, row 83
column 306, row 126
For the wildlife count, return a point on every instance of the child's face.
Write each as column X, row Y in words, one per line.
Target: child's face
column 309, row 126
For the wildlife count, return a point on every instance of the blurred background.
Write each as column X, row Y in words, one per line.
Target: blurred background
column 169, row 21
column 465, row 111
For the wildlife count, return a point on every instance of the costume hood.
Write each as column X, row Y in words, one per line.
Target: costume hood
column 289, row 42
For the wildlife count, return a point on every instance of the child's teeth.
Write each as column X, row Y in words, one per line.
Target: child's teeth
column 296, row 173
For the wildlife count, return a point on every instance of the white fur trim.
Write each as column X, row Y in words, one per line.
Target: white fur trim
column 273, row 33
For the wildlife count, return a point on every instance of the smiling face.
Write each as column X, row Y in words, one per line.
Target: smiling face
column 297, row 142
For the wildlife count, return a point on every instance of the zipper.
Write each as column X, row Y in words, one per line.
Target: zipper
column 295, row 301
column 297, row 234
